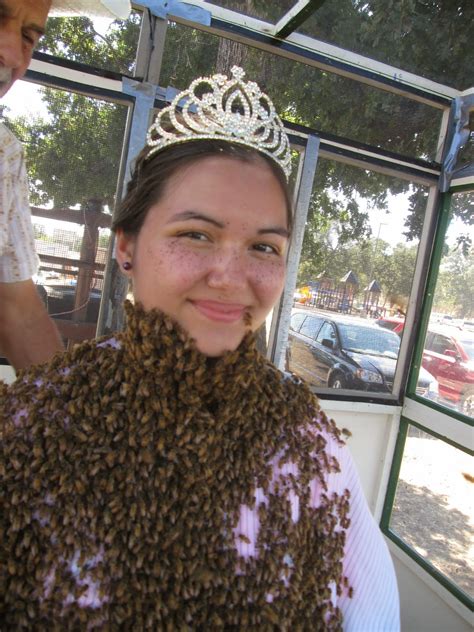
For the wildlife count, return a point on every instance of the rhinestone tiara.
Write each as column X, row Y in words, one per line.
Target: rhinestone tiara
column 223, row 108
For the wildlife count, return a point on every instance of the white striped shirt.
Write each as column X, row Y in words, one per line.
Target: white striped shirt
column 367, row 564
column 18, row 258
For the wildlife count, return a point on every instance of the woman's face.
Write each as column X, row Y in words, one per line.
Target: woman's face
column 211, row 253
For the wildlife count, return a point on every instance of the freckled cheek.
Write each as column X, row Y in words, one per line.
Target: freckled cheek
column 182, row 261
column 268, row 280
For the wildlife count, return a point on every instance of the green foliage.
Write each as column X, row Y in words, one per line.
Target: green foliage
column 74, row 156
column 453, row 294
column 76, row 39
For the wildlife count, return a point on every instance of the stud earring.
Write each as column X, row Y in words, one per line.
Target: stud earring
column 126, row 265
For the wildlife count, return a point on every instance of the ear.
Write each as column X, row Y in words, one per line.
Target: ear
column 124, row 249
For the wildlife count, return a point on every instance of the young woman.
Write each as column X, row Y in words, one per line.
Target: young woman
column 170, row 478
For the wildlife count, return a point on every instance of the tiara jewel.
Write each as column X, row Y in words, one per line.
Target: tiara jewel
column 226, row 109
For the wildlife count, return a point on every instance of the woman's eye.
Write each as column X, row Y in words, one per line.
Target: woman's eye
column 267, row 249
column 194, row 234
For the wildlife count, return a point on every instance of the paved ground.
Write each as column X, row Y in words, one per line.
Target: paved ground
column 433, row 510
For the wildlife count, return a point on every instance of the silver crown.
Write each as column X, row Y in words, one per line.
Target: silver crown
column 226, row 109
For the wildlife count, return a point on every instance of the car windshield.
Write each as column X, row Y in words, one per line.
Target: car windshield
column 468, row 346
column 369, row 340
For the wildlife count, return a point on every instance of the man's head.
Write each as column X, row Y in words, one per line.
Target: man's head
column 22, row 22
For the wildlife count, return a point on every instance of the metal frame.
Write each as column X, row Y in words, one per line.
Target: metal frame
column 295, row 17
column 71, row 76
column 151, row 45
column 303, row 189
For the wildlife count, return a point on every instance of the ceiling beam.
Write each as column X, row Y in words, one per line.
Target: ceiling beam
column 296, row 16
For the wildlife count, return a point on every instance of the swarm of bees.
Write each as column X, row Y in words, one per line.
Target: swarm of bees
column 124, row 471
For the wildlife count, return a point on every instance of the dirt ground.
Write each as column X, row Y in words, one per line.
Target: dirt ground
column 433, row 509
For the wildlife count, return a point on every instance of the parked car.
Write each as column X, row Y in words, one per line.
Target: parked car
column 392, row 323
column 449, row 356
column 59, row 300
column 468, row 325
column 342, row 352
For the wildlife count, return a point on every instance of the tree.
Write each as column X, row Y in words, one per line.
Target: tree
column 89, row 146
column 74, row 156
column 454, row 293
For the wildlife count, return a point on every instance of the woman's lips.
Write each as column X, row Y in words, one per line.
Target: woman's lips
column 220, row 312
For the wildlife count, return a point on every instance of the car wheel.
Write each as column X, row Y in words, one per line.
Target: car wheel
column 467, row 403
column 337, row 382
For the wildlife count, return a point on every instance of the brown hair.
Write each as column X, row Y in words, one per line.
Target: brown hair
column 150, row 177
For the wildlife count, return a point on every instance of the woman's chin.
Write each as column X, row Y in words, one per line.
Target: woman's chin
column 214, row 347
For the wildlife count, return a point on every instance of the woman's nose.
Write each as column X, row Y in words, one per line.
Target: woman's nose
column 228, row 270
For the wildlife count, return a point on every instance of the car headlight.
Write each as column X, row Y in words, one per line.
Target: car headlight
column 369, row 376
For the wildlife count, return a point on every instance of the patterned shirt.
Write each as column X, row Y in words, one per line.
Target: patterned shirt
column 18, row 258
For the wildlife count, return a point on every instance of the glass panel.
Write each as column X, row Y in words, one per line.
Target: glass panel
column 356, row 269
column 310, row 326
column 449, row 345
column 327, row 332
column 433, row 509
column 306, row 95
column 296, row 321
column 101, row 43
column 73, row 145
column 427, row 38
column 267, row 11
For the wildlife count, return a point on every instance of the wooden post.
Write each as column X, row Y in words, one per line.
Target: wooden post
column 90, row 239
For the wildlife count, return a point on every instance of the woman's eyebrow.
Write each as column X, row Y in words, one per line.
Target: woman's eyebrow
column 276, row 230
column 186, row 215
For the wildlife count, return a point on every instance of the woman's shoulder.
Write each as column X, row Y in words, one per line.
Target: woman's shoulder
column 58, row 377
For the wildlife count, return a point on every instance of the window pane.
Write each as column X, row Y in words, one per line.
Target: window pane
column 307, row 95
column 433, row 508
column 73, row 146
column 311, row 326
column 326, row 332
column 426, row 38
column 449, row 345
column 296, row 321
column 356, row 269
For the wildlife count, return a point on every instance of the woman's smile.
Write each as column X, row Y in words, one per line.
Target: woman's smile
column 220, row 312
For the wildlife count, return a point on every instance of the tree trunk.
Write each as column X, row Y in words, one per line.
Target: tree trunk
column 232, row 53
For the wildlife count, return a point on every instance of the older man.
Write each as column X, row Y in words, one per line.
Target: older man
column 27, row 334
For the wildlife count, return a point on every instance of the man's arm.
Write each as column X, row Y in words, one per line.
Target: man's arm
column 27, row 334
